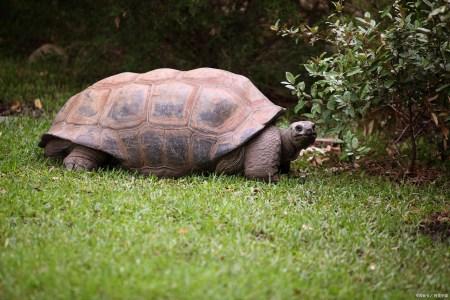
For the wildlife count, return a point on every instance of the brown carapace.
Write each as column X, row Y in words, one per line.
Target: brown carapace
column 165, row 122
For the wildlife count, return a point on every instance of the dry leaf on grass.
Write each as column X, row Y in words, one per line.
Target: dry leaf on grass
column 16, row 106
column 38, row 104
column 183, row 230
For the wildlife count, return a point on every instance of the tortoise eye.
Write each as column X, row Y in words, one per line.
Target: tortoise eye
column 298, row 128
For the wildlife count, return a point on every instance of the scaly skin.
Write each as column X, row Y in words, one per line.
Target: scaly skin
column 269, row 153
column 293, row 142
column 84, row 158
column 231, row 163
column 262, row 156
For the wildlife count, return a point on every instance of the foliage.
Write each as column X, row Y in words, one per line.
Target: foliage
column 390, row 73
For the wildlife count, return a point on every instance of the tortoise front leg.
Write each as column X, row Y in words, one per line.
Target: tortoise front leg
column 262, row 156
column 84, row 158
column 285, row 167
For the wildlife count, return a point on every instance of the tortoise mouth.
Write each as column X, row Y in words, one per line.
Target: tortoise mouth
column 305, row 137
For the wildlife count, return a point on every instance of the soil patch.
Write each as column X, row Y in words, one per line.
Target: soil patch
column 437, row 225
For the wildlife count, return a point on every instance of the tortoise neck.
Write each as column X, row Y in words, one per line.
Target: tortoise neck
column 289, row 151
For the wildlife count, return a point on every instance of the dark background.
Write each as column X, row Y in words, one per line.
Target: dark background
column 105, row 37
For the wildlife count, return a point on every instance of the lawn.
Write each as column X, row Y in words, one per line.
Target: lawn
column 112, row 234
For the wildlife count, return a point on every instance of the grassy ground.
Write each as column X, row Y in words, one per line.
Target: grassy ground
column 112, row 234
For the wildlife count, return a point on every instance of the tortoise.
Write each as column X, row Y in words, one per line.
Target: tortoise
column 171, row 123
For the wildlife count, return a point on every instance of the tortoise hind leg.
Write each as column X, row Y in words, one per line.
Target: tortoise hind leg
column 84, row 158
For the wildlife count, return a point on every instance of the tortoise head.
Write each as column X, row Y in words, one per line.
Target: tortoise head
column 302, row 134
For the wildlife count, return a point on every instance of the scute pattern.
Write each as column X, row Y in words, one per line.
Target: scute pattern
column 170, row 103
column 129, row 139
column 64, row 111
column 177, row 149
column 111, row 142
column 152, row 143
column 165, row 122
column 88, row 107
column 90, row 136
column 216, row 111
column 117, row 79
column 128, row 104
column 201, row 150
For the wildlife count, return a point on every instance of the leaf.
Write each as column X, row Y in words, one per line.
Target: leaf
column 183, row 230
column 423, row 30
column 299, row 106
column 428, row 3
column 38, row 104
column 355, row 143
column 16, row 106
column 275, row 27
column 435, row 118
column 362, row 21
column 369, row 128
column 354, row 71
column 442, row 87
column 314, row 90
column 310, row 69
column 301, row 86
column 290, row 78
column 316, row 109
column 386, row 13
column 388, row 83
column 431, row 99
column 437, row 11
column 347, row 96
column 338, row 6
column 117, row 22
column 331, row 104
column 445, row 132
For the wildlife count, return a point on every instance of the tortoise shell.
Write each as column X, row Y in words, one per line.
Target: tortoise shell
column 165, row 122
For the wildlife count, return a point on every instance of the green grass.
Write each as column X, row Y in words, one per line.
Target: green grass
column 112, row 234
column 22, row 82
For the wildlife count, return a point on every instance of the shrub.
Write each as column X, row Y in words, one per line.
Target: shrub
column 389, row 73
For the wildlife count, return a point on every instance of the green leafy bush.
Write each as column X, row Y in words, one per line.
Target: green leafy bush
column 389, row 73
